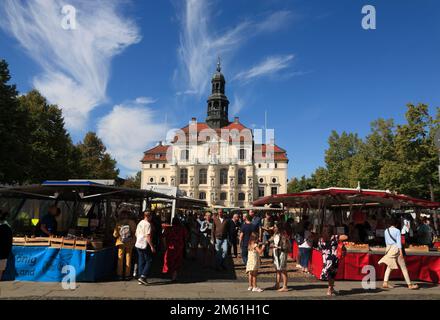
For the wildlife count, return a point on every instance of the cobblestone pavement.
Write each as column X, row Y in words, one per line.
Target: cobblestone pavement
column 218, row 290
column 197, row 282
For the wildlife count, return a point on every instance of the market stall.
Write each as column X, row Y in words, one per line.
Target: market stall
column 341, row 207
column 83, row 244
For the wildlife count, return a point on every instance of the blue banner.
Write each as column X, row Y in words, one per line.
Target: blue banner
column 44, row 264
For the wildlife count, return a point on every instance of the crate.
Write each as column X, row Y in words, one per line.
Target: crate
column 81, row 244
column 412, row 248
column 37, row 242
column 68, row 243
column 19, row 241
column 56, row 242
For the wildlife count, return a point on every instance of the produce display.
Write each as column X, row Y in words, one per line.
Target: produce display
column 76, row 243
column 356, row 246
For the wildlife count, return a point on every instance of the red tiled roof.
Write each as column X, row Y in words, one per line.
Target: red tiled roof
column 150, row 155
column 279, row 153
column 161, row 150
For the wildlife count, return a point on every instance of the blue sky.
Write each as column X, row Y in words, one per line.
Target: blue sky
column 133, row 69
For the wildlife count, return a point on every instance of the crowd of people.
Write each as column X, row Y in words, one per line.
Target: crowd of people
column 213, row 237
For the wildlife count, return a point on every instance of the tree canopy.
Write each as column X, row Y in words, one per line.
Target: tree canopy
column 401, row 158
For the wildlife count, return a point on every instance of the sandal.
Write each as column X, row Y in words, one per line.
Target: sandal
column 283, row 289
column 387, row 286
column 250, row 288
column 413, row 287
column 257, row 289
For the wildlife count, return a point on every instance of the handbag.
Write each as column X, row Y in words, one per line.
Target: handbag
column 341, row 251
column 395, row 241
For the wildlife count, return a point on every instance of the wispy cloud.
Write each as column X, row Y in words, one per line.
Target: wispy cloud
column 75, row 63
column 145, row 100
column 237, row 105
column 200, row 45
column 128, row 130
column 269, row 66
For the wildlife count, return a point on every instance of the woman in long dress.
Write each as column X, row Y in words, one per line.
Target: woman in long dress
column 281, row 245
column 175, row 238
column 328, row 245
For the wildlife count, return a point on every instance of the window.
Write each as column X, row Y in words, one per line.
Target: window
column 151, row 166
column 223, row 176
column 157, row 166
column 276, row 165
column 241, row 196
column 242, row 154
column 261, row 180
column 259, row 165
column 184, row 154
column 203, row 176
column 273, row 190
column 274, row 180
column 162, row 179
column 151, row 180
column 163, row 166
column 183, row 176
column 260, row 192
column 223, row 196
column 202, row 195
column 241, row 176
column 157, row 156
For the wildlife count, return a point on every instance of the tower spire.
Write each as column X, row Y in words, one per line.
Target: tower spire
column 219, row 65
column 218, row 103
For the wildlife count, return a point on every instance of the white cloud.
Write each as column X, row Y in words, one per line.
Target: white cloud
column 145, row 100
column 128, row 130
column 236, row 105
column 75, row 63
column 200, row 45
column 269, row 66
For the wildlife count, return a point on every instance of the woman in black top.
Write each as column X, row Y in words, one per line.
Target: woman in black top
column 5, row 242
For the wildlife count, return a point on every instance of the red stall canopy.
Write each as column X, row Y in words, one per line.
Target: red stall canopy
column 338, row 197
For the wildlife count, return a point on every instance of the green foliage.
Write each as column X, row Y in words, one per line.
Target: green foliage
column 13, row 131
column 133, row 181
column 403, row 158
column 95, row 162
column 35, row 146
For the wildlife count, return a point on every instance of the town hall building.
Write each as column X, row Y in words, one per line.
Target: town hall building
column 218, row 160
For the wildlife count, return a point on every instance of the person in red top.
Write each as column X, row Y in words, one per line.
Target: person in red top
column 174, row 238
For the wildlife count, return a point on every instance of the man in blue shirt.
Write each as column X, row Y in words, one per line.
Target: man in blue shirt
column 394, row 255
column 48, row 224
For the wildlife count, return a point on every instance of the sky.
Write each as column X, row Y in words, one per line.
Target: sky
column 133, row 69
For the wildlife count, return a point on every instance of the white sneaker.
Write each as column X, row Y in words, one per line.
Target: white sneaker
column 250, row 288
column 257, row 289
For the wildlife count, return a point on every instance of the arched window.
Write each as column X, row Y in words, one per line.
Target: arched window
column 183, row 176
column 241, row 196
column 241, row 176
column 223, row 196
column 242, row 154
column 223, row 176
column 202, row 195
column 203, row 176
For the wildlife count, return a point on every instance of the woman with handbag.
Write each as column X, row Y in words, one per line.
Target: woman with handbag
column 281, row 248
column 394, row 254
column 332, row 251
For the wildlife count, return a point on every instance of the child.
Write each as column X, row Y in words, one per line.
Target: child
column 253, row 263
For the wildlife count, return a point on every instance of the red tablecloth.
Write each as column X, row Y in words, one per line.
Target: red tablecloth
column 422, row 268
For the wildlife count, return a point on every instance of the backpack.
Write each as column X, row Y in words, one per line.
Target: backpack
column 124, row 233
column 341, row 251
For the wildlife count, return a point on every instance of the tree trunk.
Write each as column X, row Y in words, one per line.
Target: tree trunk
column 431, row 191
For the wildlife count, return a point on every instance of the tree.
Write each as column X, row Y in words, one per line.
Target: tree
column 298, row 185
column 133, row 181
column 95, row 162
column 339, row 158
column 13, row 131
column 52, row 154
column 414, row 169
